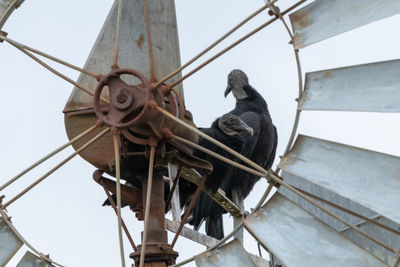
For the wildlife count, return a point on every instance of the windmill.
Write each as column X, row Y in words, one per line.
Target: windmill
column 289, row 163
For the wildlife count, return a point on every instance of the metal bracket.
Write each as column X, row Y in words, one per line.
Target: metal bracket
column 4, row 34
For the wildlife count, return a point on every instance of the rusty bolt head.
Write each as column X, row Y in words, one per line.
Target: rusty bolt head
column 122, row 99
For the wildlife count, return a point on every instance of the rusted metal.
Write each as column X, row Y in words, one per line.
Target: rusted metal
column 4, row 34
column 189, row 209
column 154, row 236
column 130, row 195
column 99, row 179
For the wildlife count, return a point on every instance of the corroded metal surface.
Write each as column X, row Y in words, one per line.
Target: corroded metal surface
column 369, row 87
column 31, row 260
column 323, row 19
column 368, row 178
column 231, row 254
column 299, row 239
column 132, row 47
column 383, row 235
column 9, row 243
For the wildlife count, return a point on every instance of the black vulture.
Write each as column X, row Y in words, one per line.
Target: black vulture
column 229, row 130
column 261, row 147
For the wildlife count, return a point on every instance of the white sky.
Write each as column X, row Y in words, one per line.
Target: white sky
column 63, row 215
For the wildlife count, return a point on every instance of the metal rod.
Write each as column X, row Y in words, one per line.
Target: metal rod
column 350, row 212
column 300, row 79
column 116, row 212
column 117, row 32
column 118, row 191
column 148, row 204
column 20, row 237
column 57, row 73
column 189, row 209
column 218, row 156
column 294, row 190
column 212, row 140
column 91, row 141
column 149, row 43
column 234, row 44
column 264, row 197
column 172, row 74
column 174, row 185
column 62, row 62
column 222, row 241
column 76, row 138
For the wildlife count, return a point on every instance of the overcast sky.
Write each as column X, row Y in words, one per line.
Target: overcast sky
column 63, row 215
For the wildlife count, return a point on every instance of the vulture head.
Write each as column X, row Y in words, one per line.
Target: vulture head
column 236, row 80
column 233, row 125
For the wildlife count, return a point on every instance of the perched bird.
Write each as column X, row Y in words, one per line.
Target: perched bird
column 252, row 109
column 260, row 147
column 229, row 130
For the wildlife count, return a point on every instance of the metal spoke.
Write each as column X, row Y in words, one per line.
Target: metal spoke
column 78, row 137
column 148, row 200
column 117, row 31
column 189, row 209
column 218, row 156
column 212, row 140
column 350, row 212
column 20, row 237
column 62, row 62
column 122, row 221
column 235, row 44
column 172, row 74
column 279, row 180
column 57, row 73
column 118, row 185
column 149, row 44
column 91, row 141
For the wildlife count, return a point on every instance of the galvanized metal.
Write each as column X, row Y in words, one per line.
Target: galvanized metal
column 299, row 239
column 190, row 234
column 231, row 254
column 323, row 19
column 9, row 243
column 369, row 87
column 348, row 171
column 31, row 260
column 385, row 236
column 6, row 8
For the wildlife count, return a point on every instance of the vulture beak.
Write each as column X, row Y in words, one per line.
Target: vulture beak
column 228, row 90
column 247, row 127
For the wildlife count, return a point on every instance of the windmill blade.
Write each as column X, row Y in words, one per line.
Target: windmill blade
column 368, row 87
column 323, row 19
column 383, row 235
column 31, row 260
column 362, row 176
column 299, row 239
column 9, row 243
column 231, row 254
